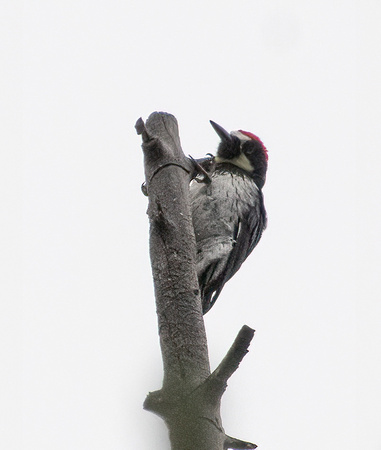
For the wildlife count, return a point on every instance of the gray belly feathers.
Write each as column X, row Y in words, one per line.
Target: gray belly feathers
column 228, row 218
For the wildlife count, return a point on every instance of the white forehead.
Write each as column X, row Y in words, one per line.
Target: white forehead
column 240, row 136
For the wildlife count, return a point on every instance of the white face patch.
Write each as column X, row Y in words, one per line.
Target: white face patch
column 240, row 161
column 240, row 136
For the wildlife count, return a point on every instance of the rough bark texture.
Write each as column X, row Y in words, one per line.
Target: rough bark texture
column 189, row 400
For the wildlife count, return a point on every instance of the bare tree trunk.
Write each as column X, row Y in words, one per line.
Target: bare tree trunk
column 189, row 401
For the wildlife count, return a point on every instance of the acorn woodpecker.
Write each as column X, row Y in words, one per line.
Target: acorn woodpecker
column 228, row 213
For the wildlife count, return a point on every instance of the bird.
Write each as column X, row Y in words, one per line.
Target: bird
column 228, row 211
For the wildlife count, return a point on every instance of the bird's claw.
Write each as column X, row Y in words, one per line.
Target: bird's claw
column 201, row 168
column 200, row 173
column 144, row 189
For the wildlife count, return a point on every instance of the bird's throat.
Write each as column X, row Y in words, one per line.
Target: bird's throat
column 240, row 161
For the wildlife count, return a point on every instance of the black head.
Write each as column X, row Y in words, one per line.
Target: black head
column 244, row 150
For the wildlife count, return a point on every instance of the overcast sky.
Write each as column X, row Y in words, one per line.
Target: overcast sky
column 82, row 350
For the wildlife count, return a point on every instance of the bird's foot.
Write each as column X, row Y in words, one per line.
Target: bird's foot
column 202, row 167
column 144, row 189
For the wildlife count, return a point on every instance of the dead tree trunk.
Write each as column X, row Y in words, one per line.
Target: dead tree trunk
column 189, row 401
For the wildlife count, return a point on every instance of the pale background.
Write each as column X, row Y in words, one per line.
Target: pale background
column 81, row 347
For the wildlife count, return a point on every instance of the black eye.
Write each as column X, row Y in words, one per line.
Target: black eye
column 248, row 148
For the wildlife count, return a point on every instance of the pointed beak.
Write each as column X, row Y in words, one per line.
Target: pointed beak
column 222, row 133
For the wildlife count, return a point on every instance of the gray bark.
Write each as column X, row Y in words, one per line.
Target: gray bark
column 189, row 401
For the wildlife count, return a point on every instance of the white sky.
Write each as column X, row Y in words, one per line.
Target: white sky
column 81, row 347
